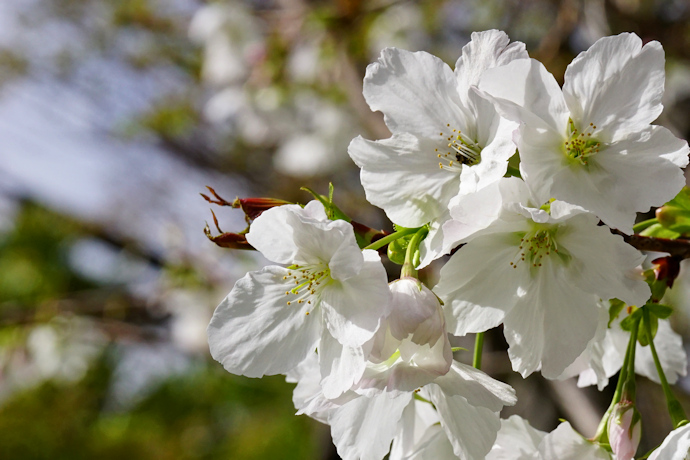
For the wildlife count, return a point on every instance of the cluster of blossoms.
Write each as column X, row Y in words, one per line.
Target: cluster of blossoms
column 529, row 186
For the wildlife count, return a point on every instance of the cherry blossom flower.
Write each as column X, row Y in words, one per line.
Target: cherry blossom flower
column 412, row 366
column 332, row 294
column 446, row 139
column 538, row 269
column 593, row 138
column 467, row 401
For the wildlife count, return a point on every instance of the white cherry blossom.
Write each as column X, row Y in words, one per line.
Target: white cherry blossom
column 593, row 138
column 411, row 348
column 446, row 139
column 412, row 366
column 538, row 269
column 411, row 355
column 332, row 295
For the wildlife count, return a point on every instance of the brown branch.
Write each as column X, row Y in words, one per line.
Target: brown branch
column 678, row 248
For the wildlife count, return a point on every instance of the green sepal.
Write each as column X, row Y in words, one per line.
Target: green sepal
column 659, row 310
column 642, row 336
column 628, row 323
column 615, row 308
column 656, row 312
column 332, row 211
column 398, row 248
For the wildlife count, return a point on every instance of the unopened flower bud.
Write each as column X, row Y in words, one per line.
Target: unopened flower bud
column 666, row 269
column 624, row 430
column 674, row 218
column 253, row 207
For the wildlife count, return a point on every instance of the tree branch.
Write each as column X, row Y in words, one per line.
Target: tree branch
column 678, row 248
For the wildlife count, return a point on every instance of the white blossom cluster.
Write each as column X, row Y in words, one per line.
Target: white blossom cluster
column 534, row 253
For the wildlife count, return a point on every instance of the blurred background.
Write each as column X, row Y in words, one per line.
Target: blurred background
column 114, row 116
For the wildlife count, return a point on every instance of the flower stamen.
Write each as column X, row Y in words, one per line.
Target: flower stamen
column 308, row 280
column 580, row 146
column 461, row 150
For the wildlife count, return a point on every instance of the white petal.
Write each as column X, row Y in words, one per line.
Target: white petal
column 495, row 154
column 341, row 367
column 606, row 360
column 331, row 242
column 516, row 440
column 480, row 210
column 415, row 91
column 363, row 428
column 488, row 49
column 551, row 325
column 525, row 92
column 401, row 175
column 564, row 443
column 616, row 84
column 307, row 395
column 676, row 446
column 432, row 246
column 254, row 332
column 412, row 428
column 476, row 387
column 315, row 210
column 542, row 163
column 353, row 307
column 434, row 445
column 602, row 263
column 467, row 284
column 634, row 173
column 272, row 235
column 589, row 365
column 471, row 430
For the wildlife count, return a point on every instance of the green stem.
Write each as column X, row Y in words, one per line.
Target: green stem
column 390, row 238
column 640, row 226
column 478, row 346
column 515, row 172
column 601, row 435
column 675, row 410
column 412, row 253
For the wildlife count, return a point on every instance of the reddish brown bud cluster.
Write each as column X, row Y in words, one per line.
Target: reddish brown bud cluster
column 252, row 208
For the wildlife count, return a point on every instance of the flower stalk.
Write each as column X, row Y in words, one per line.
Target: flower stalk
column 675, row 409
column 627, row 373
column 412, row 254
column 378, row 244
column 478, row 347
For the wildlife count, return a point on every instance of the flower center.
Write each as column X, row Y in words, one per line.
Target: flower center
column 308, row 281
column 580, row 145
column 460, row 150
column 538, row 243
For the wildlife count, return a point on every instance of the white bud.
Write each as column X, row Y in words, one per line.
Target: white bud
column 624, row 430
